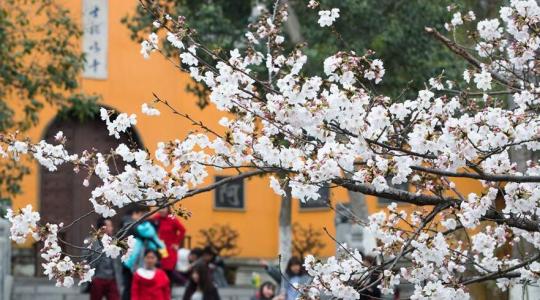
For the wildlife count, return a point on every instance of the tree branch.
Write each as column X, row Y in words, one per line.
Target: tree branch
column 424, row 199
column 122, row 233
column 503, row 273
column 454, row 47
column 483, row 176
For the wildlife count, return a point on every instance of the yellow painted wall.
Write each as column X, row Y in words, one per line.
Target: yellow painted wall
column 130, row 83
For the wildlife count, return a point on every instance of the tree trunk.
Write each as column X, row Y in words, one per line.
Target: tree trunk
column 520, row 157
column 358, row 205
column 293, row 26
column 360, row 238
column 285, row 231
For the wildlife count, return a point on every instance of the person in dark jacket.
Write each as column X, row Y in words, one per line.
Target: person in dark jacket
column 200, row 285
column 215, row 265
column 294, row 278
column 194, row 255
column 184, row 267
column 373, row 292
column 108, row 271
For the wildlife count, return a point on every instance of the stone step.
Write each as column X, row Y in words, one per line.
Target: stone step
column 42, row 289
column 54, row 293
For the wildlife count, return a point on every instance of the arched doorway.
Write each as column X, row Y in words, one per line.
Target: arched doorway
column 63, row 198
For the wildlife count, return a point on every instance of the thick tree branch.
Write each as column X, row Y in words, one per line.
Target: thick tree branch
column 483, row 176
column 454, row 47
column 394, row 194
column 502, row 273
column 424, row 199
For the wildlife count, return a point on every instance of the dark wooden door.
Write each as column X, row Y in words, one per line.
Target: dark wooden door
column 63, row 196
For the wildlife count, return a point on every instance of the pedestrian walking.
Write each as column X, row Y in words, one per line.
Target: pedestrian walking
column 106, row 282
column 150, row 282
column 187, row 260
column 215, row 265
column 201, row 286
column 146, row 237
column 172, row 233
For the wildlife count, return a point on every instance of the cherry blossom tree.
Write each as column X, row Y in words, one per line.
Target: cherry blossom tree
column 303, row 132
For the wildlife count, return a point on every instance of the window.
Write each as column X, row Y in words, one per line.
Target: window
column 229, row 196
column 319, row 204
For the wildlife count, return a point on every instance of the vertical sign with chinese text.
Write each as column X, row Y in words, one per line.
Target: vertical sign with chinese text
column 95, row 38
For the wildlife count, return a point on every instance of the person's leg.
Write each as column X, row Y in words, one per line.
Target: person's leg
column 97, row 289
column 171, row 278
column 127, row 277
column 112, row 290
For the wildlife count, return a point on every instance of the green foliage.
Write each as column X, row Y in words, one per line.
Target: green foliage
column 221, row 238
column 80, row 107
column 220, row 23
column 39, row 64
column 394, row 29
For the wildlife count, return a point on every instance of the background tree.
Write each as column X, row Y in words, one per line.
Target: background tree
column 394, row 29
column 223, row 239
column 306, row 240
column 40, row 64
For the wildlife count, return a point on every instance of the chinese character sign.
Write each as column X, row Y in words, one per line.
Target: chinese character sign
column 230, row 195
column 95, row 38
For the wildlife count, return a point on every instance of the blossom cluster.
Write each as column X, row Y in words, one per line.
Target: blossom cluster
column 333, row 128
column 327, row 17
column 335, row 272
column 23, row 224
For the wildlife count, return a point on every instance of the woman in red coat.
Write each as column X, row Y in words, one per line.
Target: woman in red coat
column 171, row 232
column 150, row 283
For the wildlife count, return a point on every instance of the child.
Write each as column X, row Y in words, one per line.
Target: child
column 149, row 282
column 145, row 238
column 200, row 285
